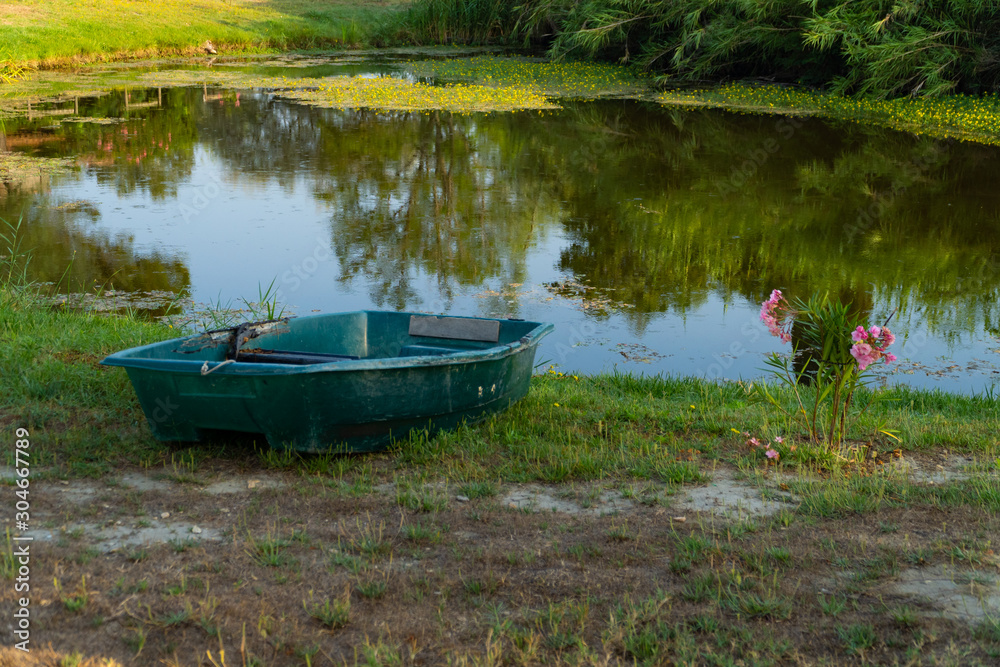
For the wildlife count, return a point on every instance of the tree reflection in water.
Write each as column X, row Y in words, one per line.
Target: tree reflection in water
column 662, row 208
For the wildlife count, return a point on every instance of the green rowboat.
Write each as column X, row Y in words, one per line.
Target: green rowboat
column 341, row 382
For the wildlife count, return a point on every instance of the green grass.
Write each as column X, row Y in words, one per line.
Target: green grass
column 569, row 428
column 418, row 532
column 857, row 637
column 59, row 30
column 372, row 588
column 332, row 613
column 66, row 394
column 268, row 550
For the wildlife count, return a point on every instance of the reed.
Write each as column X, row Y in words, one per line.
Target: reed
column 453, row 22
column 882, row 48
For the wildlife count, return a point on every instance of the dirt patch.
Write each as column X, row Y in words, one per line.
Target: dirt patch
column 939, row 468
column 962, row 595
column 144, row 533
column 733, row 498
column 11, row 14
column 593, row 502
column 165, row 565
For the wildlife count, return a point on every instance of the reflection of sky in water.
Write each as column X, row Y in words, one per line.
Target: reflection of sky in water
column 235, row 236
column 242, row 217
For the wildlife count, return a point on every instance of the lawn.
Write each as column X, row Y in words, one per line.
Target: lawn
column 61, row 31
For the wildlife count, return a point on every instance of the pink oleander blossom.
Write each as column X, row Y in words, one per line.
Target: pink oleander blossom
column 869, row 346
column 774, row 314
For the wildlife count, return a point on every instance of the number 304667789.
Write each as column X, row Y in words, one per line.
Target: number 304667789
column 21, row 446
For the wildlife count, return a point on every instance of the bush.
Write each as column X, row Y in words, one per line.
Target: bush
column 883, row 48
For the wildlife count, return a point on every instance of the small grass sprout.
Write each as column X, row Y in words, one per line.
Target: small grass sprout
column 333, row 613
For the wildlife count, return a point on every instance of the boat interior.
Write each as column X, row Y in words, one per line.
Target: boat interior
column 324, row 339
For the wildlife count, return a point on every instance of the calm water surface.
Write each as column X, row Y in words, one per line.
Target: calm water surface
column 649, row 235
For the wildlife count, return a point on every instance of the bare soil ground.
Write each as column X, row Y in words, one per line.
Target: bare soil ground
column 175, row 566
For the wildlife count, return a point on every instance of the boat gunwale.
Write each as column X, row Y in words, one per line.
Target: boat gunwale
column 130, row 359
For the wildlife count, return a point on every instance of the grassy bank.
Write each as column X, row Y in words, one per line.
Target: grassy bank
column 968, row 118
column 61, row 31
column 438, row 551
column 570, row 428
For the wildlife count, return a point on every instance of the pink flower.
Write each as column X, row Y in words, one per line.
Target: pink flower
column 778, row 439
column 862, row 352
column 859, row 350
column 754, row 442
column 773, row 314
column 771, row 454
column 869, row 346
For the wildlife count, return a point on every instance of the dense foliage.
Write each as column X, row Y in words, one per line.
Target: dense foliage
column 882, row 47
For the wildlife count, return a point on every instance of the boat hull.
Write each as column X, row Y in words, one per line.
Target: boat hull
column 398, row 382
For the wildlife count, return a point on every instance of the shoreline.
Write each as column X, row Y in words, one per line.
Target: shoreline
column 58, row 352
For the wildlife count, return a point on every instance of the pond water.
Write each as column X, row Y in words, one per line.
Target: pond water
column 648, row 234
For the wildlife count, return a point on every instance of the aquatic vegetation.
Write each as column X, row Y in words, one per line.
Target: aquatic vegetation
column 481, row 83
column 965, row 117
column 492, row 83
column 18, row 168
column 92, row 121
column 558, row 79
column 462, row 85
column 382, row 93
column 392, row 94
